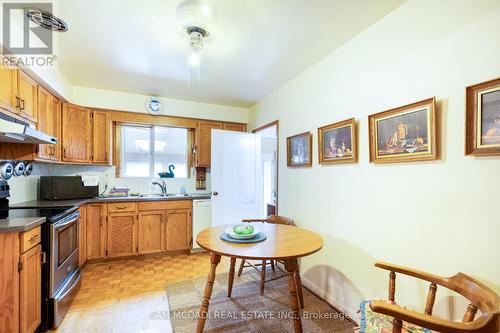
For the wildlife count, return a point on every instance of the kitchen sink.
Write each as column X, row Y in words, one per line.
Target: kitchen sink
column 162, row 195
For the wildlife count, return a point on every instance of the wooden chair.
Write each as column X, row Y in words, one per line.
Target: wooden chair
column 480, row 296
column 276, row 219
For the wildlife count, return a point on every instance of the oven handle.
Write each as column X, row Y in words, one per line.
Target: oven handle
column 70, row 288
column 69, row 220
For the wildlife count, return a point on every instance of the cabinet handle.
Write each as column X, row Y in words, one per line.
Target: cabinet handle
column 64, row 152
column 21, row 105
column 44, row 258
column 121, row 207
column 34, row 237
column 18, row 102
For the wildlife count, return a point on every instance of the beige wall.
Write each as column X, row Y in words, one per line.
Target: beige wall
column 443, row 216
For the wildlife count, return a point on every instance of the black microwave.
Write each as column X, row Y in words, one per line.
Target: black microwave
column 65, row 188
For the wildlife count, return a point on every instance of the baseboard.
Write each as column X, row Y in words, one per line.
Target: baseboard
column 351, row 315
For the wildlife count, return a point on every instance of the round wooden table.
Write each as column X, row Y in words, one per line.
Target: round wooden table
column 285, row 243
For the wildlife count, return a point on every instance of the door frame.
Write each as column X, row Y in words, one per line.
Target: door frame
column 263, row 127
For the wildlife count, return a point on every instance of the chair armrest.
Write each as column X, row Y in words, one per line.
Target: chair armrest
column 423, row 320
column 254, row 220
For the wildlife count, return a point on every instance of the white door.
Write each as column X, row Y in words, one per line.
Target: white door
column 235, row 177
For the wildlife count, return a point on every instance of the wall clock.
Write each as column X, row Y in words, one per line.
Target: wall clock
column 154, row 106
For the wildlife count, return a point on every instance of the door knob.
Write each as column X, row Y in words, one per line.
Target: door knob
column 215, row 193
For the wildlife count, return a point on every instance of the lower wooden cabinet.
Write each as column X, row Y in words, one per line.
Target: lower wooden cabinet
column 151, row 232
column 82, row 237
column 123, row 229
column 30, row 290
column 122, row 234
column 21, row 260
column 178, row 229
column 96, row 215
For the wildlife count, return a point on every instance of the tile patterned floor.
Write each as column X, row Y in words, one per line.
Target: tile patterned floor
column 124, row 296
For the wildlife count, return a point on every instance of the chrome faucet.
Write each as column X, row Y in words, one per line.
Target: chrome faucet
column 162, row 185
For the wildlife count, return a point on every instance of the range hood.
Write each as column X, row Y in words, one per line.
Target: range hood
column 16, row 131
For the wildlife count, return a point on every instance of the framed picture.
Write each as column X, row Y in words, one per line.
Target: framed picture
column 337, row 143
column 299, row 150
column 404, row 134
column 482, row 126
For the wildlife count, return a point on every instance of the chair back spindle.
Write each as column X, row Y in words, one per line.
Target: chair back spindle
column 431, row 297
column 470, row 313
column 392, row 286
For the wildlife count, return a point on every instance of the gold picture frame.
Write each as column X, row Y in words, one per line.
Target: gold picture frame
column 404, row 134
column 337, row 143
column 299, row 150
column 482, row 119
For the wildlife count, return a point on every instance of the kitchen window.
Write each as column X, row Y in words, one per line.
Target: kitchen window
column 149, row 150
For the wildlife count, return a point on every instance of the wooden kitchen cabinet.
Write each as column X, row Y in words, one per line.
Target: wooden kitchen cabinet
column 76, row 134
column 8, row 88
column 100, row 137
column 21, row 262
column 30, row 290
column 234, row 127
column 96, row 215
column 122, row 234
column 151, row 232
column 204, row 142
column 178, row 230
column 49, row 122
column 82, row 237
column 27, row 91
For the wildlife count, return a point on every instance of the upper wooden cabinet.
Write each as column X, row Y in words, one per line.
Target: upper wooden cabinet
column 204, row 142
column 204, row 139
column 235, row 127
column 19, row 93
column 76, row 134
column 49, row 121
column 27, row 92
column 101, row 138
column 8, row 88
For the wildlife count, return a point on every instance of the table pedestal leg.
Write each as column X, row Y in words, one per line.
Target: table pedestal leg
column 214, row 260
column 291, row 266
column 231, row 277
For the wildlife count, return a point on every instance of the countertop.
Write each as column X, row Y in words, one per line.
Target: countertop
column 81, row 202
column 20, row 224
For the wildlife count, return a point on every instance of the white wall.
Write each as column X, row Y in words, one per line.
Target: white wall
column 441, row 216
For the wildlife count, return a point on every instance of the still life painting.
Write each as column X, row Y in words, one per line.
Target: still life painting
column 404, row 134
column 299, row 150
column 483, row 119
column 337, row 142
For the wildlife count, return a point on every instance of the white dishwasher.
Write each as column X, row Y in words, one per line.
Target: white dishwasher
column 202, row 217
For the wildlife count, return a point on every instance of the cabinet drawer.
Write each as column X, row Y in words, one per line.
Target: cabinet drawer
column 161, row 205
column 30, row 238
column 117, row 207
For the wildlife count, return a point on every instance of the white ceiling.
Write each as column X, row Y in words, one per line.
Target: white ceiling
column 255, row 45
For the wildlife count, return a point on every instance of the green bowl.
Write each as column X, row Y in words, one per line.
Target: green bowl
column 242, row 229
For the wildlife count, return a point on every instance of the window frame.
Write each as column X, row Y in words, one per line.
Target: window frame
column 118, row 156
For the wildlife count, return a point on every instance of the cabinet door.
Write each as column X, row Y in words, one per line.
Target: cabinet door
column 82, row 237
column 44, row 122
column 122, row 234
column 235, row 127
column 28, row 91
column 96, row 231
column 150, row 232
column 76, row 134
column 204, row 141
column 30, row 290
column 56, row 129
column 8, row 89
column 101, row 139
column 178, row 229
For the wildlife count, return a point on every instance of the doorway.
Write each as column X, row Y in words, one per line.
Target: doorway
column 269, row 157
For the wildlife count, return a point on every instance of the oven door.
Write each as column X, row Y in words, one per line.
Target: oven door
column 64, row 250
